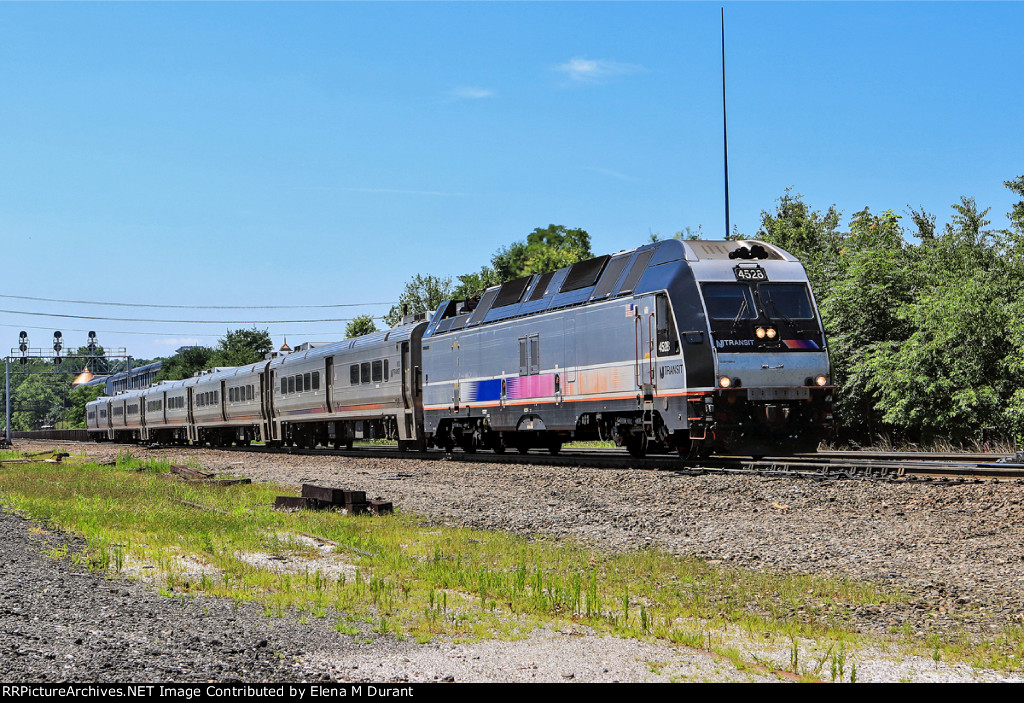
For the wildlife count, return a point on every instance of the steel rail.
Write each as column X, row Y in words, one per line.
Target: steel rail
column 908, row 466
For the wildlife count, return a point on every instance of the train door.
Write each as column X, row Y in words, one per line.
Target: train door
column 329, row 382
column 406, row 418
column 274, row 432
column 190, row 418
column 223, row 401
column 570, row 353
column 644, row 324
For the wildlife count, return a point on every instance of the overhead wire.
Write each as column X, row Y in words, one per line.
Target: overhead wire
column 196, row 307
column 180, row 322
column 163, row 334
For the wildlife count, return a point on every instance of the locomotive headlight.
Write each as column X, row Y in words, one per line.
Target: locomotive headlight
column 821, row 380
column 760, row 332
column 725, row 382
column 771, row 333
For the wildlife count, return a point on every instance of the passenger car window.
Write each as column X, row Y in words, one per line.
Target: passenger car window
column 353, row 375
column 378, row 371
column 307, row 382
column 364, row 372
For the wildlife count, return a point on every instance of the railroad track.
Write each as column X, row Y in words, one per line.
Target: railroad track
column 891, row 466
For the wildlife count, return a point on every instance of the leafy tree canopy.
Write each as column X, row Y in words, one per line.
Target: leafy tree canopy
column 421, row 294
column 236, row 348
column 241, row 347
column 360, row 325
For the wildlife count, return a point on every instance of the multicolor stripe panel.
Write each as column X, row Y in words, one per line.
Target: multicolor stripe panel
column 519, row 387
column 516, row 388
column 800, row 344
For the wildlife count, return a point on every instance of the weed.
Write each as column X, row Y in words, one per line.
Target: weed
column 404, row 577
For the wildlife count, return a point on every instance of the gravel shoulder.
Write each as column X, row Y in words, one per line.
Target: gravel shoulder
column 956, row 550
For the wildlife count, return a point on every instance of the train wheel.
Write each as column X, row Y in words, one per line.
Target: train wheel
column 696, row 450
column 554, row 447
column 498, row 446
column 636, row 445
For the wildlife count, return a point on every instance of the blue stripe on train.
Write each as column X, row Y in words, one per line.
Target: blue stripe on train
column 479, row 391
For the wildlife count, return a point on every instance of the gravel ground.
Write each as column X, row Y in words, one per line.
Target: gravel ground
column 957, row 550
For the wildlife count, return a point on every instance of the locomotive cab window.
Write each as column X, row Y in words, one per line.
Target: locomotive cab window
column 786, row 300
column 668, row 340
column 729, row 301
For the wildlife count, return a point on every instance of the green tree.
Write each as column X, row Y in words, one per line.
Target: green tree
column 873, row 281
column 810, row 235
column 1013, row 259
column 421, row 294
column 74, row 418
column 38, row 396
column 685, row 234
column 360, row 325
column 547, row 249
column 241, row 347
column 185, row 363
column 948, row 378
column 472, row 285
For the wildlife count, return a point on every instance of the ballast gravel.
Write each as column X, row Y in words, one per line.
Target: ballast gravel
column 957, row 550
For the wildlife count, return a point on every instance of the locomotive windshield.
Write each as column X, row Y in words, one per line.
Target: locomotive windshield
column 778, row 301
column 729, row 301
column 786, row 301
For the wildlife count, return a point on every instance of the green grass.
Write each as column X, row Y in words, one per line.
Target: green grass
column 405, row 577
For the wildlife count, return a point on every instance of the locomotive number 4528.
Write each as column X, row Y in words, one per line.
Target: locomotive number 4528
column 750, row 273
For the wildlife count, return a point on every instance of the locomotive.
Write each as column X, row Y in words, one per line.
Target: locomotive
column 694, row 347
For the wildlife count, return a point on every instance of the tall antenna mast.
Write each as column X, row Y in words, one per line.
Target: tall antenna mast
column 725, row 132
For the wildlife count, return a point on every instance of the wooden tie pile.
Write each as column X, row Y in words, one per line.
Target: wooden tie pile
column 339, row 499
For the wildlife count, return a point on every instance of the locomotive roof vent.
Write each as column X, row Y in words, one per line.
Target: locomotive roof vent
column 755, row 251
column 748, row 250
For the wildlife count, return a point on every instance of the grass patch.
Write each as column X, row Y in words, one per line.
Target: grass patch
column 402, row 576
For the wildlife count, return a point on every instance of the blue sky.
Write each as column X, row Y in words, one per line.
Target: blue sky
column 244, row 154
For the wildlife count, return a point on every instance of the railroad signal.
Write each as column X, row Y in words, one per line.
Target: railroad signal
column 58, row 343
column 23, row 342
column 92, row 341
